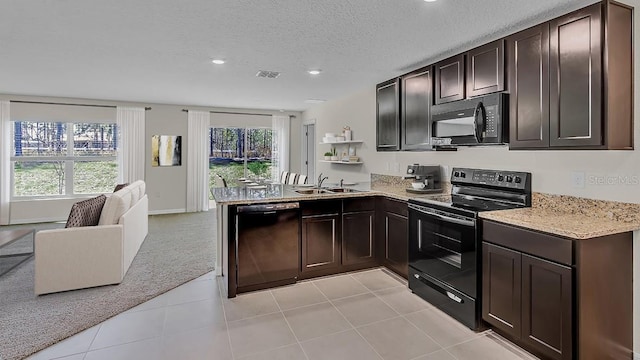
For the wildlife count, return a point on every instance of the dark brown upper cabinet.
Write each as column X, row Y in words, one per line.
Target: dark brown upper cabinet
column 588, row 77
column 416, row 96
column 450, row 80
column 575, row 66
column 485, row 69
column 528, row 59
column 388, row 116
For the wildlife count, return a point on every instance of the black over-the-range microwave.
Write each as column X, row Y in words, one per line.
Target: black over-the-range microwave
column 482, row 120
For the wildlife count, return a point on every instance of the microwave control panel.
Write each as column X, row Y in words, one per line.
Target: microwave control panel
column 491, row 122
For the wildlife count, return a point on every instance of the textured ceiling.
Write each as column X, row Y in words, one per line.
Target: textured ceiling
column 160, row 51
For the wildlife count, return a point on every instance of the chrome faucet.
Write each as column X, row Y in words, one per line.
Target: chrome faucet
column 321, row 179
column 341, row 181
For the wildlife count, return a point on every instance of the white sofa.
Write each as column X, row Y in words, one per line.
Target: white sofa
column 82, row 257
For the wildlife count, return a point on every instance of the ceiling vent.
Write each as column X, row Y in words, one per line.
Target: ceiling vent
column 267, row 74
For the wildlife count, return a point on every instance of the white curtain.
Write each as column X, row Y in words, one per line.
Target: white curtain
column 280, row 146
column 198, row 161
column 5, row 163
column 131, row 152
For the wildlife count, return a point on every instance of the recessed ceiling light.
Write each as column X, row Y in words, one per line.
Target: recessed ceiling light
column 430, row 0
column 218, row 61
column 314, row 72
column 314, row 101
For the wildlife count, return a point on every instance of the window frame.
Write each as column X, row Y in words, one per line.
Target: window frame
column 69, row 160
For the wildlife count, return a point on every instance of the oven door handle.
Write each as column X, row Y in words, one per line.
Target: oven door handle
column 449, row 219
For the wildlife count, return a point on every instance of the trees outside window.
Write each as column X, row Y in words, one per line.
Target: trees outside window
column 53, row 159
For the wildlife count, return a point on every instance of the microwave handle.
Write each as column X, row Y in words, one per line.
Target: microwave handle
column 479, row 113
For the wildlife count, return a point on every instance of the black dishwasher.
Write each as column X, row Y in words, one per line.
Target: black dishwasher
column 267, row 245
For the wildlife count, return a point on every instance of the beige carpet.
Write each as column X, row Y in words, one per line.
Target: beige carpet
column 178, row 248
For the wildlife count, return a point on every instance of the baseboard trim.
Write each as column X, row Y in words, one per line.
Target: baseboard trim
column 167, row 211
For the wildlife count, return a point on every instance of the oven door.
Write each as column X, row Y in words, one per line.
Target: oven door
column 444, row 246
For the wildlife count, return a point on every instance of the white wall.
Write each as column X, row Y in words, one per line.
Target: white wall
column 166, row 186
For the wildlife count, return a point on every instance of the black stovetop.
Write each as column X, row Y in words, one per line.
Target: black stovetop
column 476, row 190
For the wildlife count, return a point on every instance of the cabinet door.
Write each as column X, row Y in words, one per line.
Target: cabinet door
column 396, row 243
column 387, row 113
column 358, row 238
column 485, row 69
column 501, row 286
column 528, row 59
column 320, row 242
column 547, row 307
column 416, row 98
column 576, row 79
column 450, row 79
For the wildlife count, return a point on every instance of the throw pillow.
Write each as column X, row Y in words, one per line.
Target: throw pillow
column 120, row 186
column 86, row 213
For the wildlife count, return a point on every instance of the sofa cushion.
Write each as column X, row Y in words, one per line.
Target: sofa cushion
column 86, row 213
column 139, row 187
column 120, row 186
column 116, row 205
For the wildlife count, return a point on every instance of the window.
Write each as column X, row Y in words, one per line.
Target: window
column 240, row 152
column 53, row 159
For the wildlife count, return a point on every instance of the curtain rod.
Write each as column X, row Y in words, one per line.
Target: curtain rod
column 235, row 113
column 52, row 103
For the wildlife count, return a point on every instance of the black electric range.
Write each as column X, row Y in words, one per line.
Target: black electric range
column 445, row 238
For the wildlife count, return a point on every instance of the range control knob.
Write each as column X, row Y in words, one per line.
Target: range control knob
column 410, row 171
column 518, row 179
column 500, row 177
column 456, row 174
column 509, row 178
column 463, row 175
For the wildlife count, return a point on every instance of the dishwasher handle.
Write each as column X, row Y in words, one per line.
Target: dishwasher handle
column 270, row 208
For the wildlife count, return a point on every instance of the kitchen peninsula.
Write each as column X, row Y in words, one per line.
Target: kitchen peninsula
column 275, row 234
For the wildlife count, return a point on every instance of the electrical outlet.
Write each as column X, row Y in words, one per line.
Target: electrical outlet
column 577, row 179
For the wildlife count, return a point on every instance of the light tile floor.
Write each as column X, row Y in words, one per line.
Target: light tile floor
column 362, row 315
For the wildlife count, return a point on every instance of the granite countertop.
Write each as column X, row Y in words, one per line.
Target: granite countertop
column 271, row 193
column 572, row 217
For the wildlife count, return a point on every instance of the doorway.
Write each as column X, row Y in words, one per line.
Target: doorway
column 309, row 151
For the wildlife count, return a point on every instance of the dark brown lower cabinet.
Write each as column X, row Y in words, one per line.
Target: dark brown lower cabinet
column 320, row 242
column 393, row 235
column 547, row 306
column 501, row 288
column 557, row 297
column 358, row 242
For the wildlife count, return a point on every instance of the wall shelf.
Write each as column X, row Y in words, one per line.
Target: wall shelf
column 342, row 142
column 342, row 162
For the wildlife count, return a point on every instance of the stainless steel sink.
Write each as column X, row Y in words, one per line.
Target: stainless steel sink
column 311, row 191
column 343, row 190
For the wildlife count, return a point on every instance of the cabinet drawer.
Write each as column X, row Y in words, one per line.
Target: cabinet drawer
column 358, row 204
column 320, row 207
column 394, row 206
column 542, row 245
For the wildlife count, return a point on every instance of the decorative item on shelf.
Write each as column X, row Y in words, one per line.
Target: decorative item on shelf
column 327, row 155
column 334, row 154
column 352, row 151
column 353, row 159
column 347, row 133
column 340, row 139
column 345, row 157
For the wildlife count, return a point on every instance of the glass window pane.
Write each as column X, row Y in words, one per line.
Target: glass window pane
column 259, row 152
column 226, row 154
column 32, row 138
column 94, row 177
column 94, row 139
column 37, row 178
